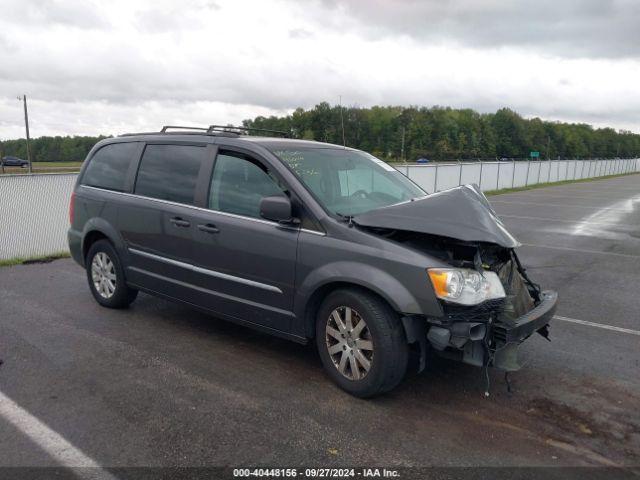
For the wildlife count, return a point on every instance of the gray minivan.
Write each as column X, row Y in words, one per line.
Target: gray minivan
column 308, row 241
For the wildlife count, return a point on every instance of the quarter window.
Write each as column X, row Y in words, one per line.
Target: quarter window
column 170, row 172
column 238, row 184
column 109, row 166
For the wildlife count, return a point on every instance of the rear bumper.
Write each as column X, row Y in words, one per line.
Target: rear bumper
column 75, row 246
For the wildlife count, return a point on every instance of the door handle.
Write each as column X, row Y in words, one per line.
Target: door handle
column 208, row 228
column 179, row 222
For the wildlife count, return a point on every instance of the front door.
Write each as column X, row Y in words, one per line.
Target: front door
column 245, row 263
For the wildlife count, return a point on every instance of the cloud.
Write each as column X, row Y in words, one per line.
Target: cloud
column 97, row 117
column 300, row 33
column 83, row 14
column 149, row 63
column 570, row 28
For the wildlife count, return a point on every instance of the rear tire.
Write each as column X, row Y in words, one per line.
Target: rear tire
column 364, row 359
column 106, row 276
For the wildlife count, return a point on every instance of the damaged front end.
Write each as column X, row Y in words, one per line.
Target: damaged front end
column 503, row 306
column 489, row 333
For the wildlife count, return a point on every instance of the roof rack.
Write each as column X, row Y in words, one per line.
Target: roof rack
column 178, row 127
column 182, row 130
column 219, row 130
column 241, row 130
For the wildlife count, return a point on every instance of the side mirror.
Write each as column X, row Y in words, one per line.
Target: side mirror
column 276, row 208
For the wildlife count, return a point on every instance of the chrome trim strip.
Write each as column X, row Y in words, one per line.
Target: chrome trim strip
column 205, row 271
column 314, row 232
column 212, row 292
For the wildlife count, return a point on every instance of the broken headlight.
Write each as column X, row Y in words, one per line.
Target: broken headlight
column 465, row 286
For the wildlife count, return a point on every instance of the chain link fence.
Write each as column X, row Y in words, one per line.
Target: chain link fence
column 34, row 208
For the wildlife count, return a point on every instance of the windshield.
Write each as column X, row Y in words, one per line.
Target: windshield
column 349, row 182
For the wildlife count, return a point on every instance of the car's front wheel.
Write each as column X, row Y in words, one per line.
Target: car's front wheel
column 361, row 342
column 106, row 276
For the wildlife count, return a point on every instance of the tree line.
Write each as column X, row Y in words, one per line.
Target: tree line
column 51, row 149
column 442, row 133
column 395, row 133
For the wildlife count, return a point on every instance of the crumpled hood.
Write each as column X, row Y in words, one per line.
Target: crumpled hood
column 462, row 212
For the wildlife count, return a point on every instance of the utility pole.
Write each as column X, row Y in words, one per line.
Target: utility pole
column 402, row 147
column 344, row 142
column 548, row 147
column 26, row 126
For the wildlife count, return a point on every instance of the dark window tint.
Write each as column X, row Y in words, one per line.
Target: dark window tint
column 170, row 172
column 239, row 184
column 109, row 166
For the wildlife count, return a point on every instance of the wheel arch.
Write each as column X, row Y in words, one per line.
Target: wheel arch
column 334, row 277
column 98, row 229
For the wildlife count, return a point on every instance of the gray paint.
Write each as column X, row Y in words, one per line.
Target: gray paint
column 250, row 269
column 212, row 273
column 462, row 213
column 264, row 273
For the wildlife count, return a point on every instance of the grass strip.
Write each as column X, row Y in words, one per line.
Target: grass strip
column 10, row 262
column 553, row 184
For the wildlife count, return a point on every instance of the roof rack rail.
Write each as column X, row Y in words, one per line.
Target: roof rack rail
column 165, row 131
column 135, row 134
column 178, row 127
column 219, row 130
column 240, row 130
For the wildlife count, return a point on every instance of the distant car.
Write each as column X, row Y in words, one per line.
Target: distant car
column 10, row 161
column 423, row 160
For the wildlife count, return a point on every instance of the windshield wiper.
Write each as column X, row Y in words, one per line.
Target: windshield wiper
column 346, row 218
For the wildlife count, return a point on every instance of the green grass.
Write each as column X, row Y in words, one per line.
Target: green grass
column 26, row 260
column 46, row 167
column 57, row 164
column 553, row 184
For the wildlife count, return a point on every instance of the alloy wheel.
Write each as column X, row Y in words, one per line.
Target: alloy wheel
column 349, row 343
column 103, row 275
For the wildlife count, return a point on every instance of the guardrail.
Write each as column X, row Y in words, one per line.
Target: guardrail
column 34, row 208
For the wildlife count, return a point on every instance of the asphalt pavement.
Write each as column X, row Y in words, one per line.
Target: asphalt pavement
column 162, row 385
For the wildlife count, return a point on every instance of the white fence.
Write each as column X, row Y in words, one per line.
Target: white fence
column 34, row 214
column 34, row 208
column 498, row 175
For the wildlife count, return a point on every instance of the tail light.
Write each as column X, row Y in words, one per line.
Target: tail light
column 72, row 207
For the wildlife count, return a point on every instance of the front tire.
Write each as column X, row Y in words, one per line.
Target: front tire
column 361, row 342
column 106, row 276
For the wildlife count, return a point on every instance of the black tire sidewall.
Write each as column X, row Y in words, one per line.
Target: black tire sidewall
column 383, row 323
column 123, row 295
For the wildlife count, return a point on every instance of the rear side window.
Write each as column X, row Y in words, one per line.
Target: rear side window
column 109, row 166
column 170, row 172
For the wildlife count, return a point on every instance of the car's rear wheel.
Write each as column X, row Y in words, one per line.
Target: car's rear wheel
column 106, row 276
column 361, row 342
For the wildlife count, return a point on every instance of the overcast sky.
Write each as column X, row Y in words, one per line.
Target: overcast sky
column 108, row 67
